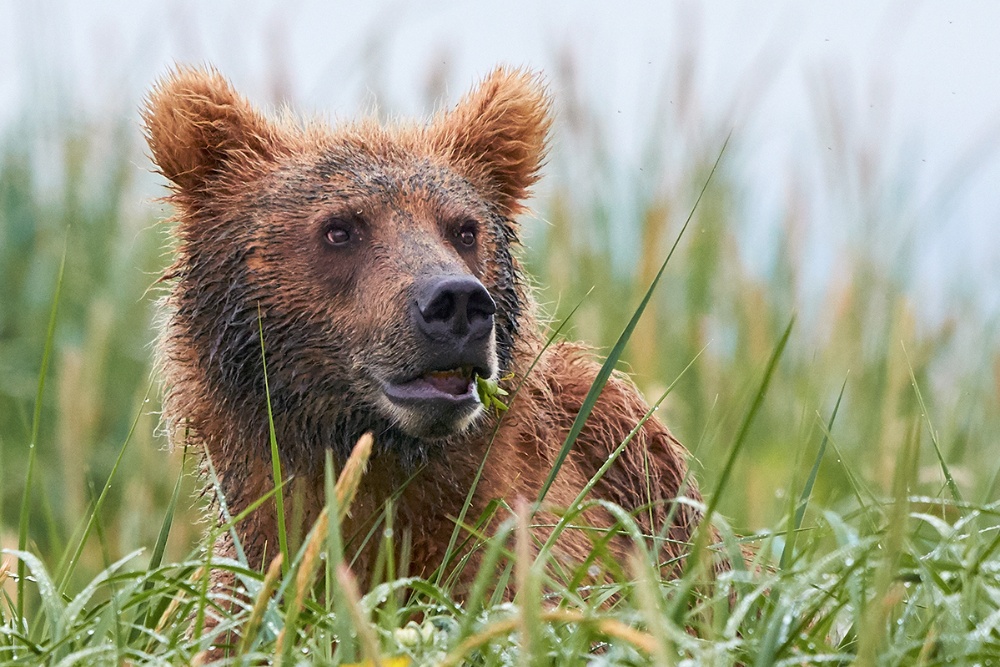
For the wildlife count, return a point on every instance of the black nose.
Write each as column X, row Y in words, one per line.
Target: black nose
column 452, row 308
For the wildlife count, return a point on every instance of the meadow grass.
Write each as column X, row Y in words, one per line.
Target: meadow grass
column 852, row 454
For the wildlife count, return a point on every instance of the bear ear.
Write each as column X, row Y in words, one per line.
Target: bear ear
column 197, row 126
column 496, row 134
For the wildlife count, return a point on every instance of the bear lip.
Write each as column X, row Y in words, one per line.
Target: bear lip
column 451, row 385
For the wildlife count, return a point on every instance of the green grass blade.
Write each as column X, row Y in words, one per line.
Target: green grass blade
column 230, row 522
column 71, row 566
column 991, row 488
column 156, row 559
column 73, row 610
column 800, row 510
column 485, row 576
column 748, row 420
column 949, row 480
column 203, row 589
column 52, row 602
column 704, row 528
column 609, row 364
column 334, row 559
column 168, row 519
column 36, row 420
column 460, row 521
column 279, row 502
column 770, row 644
column 857, row 488
column 976, row 566
column 608, row 462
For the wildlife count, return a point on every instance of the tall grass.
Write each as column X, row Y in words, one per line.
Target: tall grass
column 863, row 477
column 82, row 208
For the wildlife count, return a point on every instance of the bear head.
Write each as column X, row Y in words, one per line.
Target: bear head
column 369, row 267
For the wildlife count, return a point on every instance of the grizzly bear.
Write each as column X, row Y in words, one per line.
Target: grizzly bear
column 376, row 266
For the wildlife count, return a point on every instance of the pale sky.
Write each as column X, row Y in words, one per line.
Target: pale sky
column 917, row 81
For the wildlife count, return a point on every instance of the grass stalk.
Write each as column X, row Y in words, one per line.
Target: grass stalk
column 36, row 422
column 795, row 519
column 590, row 400
column 279, row 500
column 95, row 511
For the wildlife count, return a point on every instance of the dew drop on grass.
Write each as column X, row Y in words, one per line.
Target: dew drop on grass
column 387, row 533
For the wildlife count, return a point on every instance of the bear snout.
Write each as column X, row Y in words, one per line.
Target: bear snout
column 453, row 310
column 452, row 343
column 452, row 317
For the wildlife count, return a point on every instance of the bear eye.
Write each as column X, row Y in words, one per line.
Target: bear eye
column 338, row 233
column 467, row 234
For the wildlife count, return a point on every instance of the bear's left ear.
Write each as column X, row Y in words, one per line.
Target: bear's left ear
column 496, row 135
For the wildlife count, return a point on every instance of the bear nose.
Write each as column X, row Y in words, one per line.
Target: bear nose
column 449, row 308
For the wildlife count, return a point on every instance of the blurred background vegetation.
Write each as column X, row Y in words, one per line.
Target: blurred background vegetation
column 77, row 185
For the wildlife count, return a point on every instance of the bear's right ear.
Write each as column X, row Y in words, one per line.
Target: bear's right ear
column 197, row 127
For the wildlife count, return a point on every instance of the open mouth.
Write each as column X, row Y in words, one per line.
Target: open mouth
column 454, row 385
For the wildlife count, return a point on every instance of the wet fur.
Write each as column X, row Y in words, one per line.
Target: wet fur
column 249, row 193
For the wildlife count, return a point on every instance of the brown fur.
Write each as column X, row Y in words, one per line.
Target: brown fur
column 252, row 196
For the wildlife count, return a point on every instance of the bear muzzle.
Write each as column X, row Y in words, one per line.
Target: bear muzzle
column 452, row 320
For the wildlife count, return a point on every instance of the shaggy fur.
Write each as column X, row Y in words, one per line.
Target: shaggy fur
column 254, row 197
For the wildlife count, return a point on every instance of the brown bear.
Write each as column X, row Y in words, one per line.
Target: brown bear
column 378, row 264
